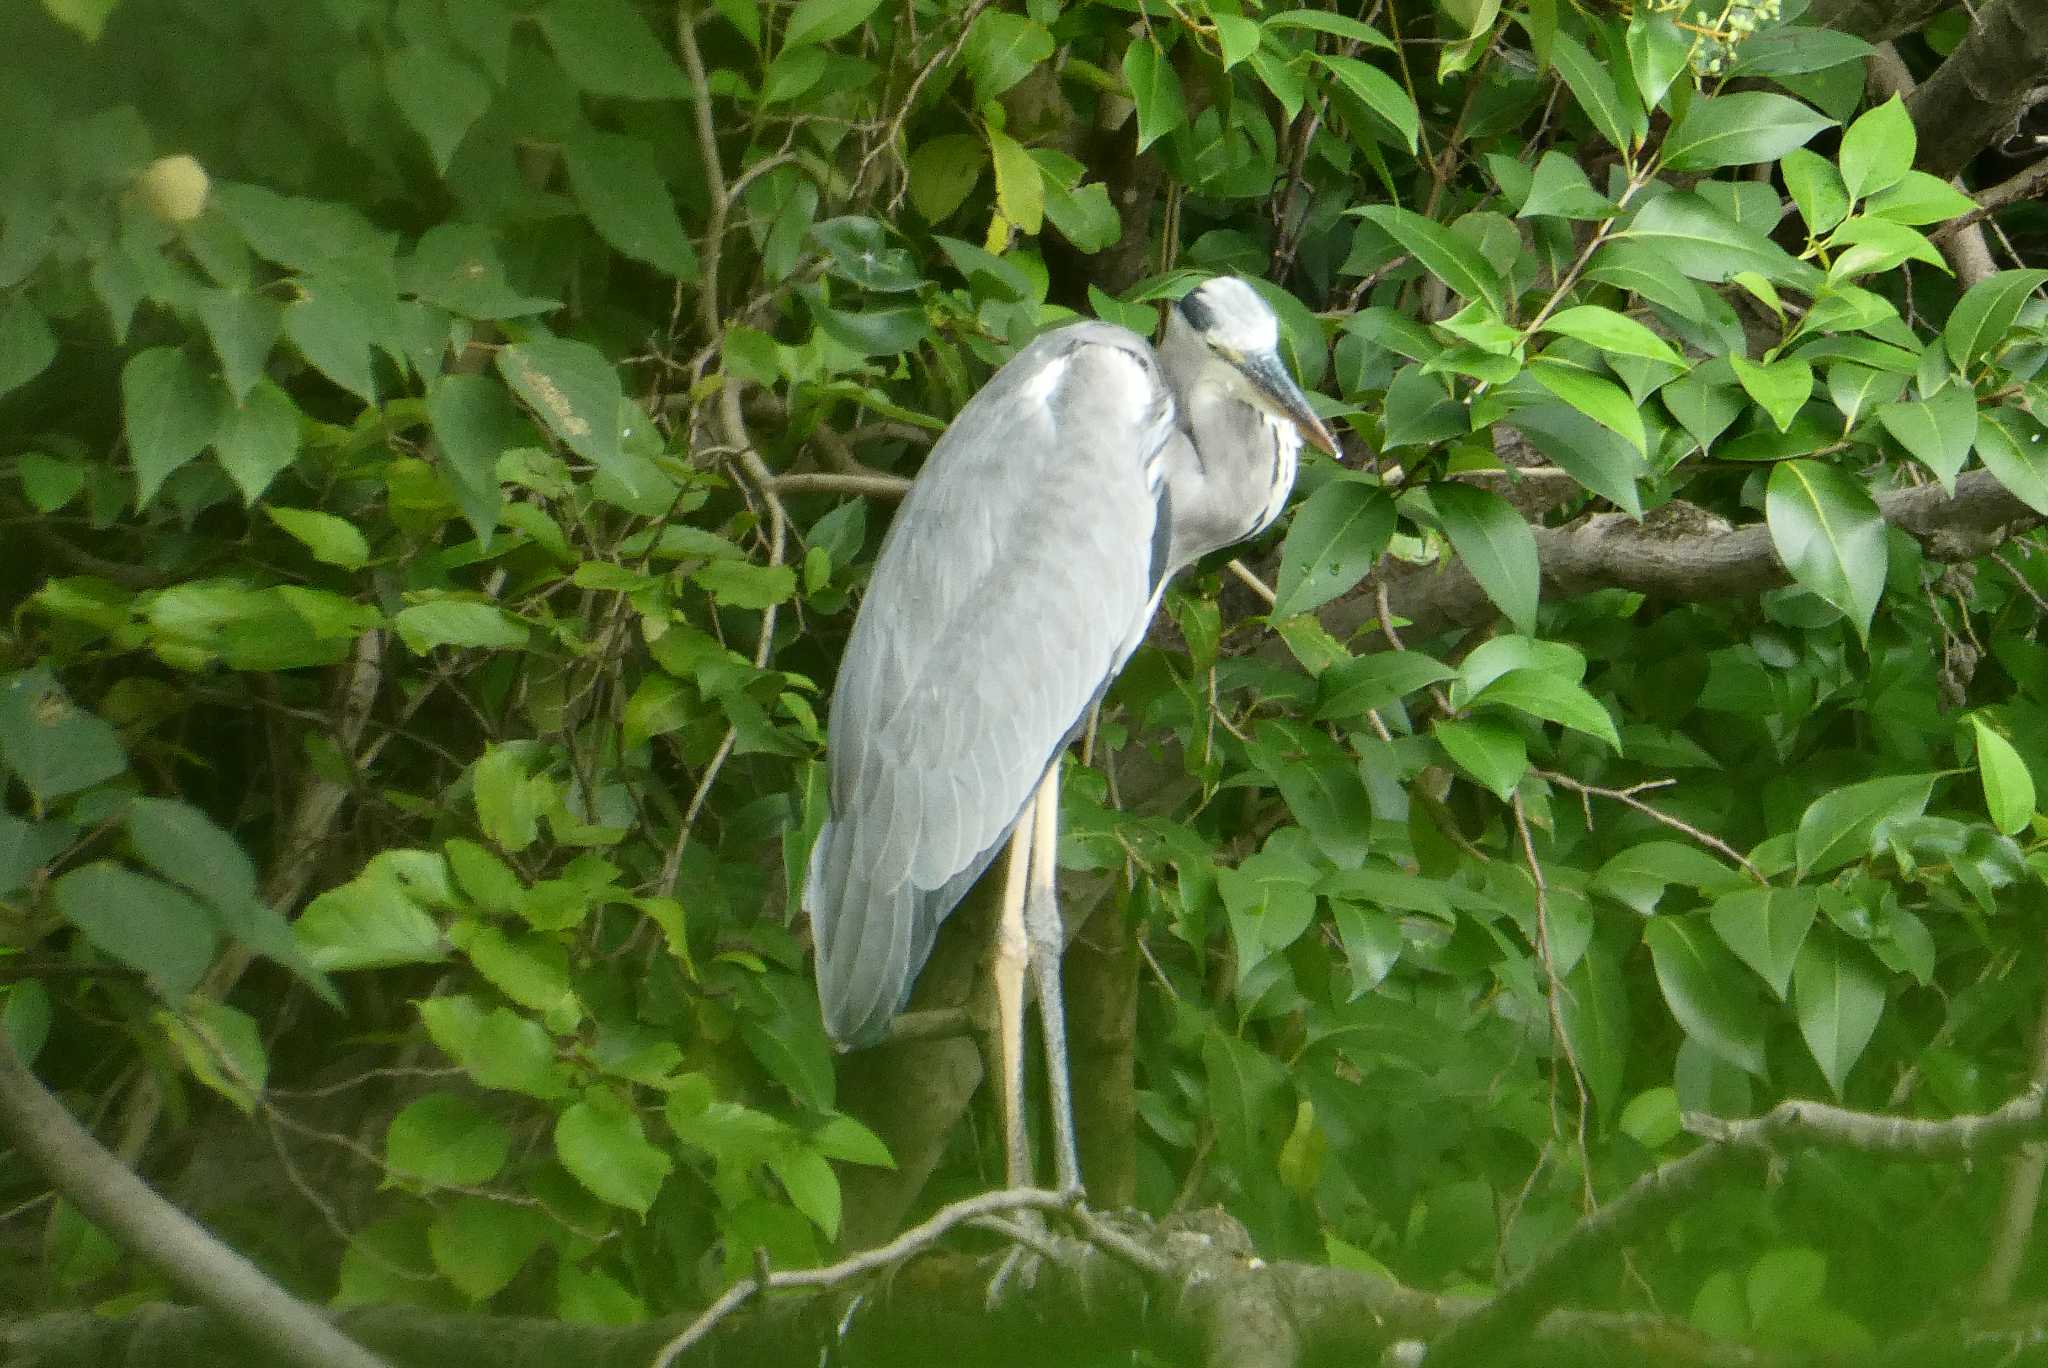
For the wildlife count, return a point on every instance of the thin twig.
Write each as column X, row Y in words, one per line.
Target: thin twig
column 910, row 1243
column 1627, row 797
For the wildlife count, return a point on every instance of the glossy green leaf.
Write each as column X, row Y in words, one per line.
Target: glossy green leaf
column 821, row 21
column 1830, row 536
column 1379, row 92
column 608, row 49
column 332, row 540
column 1603, row 401
column 1703, row 986
column 453, row 622
column 1740, row 128
column 1494, row 544
column 943, row 172
column 1596, row 92
column 1446, row 255
column 1981, row 318
column 1155, row 88
column 1782, row 386
column 1592, row 1007
column 1838, row 996
column 2008, row 785
column 2015, row 450
column 1816, row 187
column 1368, row 682
column 496, row 1047
column 1939, row 432
column 1765, row 927
column 1611, row 332
column 1877, row 149
column 1697, row 241
column 1336, row 536
column 1001, row 50
column 1552, row 698
column 1491, row 752
column 1837, row 827
column 1020, row 186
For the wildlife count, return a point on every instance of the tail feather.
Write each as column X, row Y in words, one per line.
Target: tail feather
column 863, row 936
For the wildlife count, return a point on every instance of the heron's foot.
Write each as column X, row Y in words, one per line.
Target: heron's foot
column 1029, row 1250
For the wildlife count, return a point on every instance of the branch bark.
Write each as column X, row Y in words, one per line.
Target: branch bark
column 1669, row 559
column 1976, row 94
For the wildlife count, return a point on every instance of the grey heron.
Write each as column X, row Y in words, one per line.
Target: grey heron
column 1019, row 574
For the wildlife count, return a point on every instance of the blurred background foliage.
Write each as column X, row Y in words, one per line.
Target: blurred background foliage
column 442, row 443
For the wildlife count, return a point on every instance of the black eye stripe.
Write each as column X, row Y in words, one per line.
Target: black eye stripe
column 1200, row 316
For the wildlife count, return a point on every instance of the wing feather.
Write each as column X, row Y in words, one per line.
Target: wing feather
column 1006, row 594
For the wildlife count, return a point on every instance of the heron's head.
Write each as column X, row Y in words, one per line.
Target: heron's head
column 1226, row 316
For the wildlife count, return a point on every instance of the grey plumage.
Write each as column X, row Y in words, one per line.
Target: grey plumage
column 1017, row 577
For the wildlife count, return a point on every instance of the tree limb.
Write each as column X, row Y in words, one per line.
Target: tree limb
column 1670, row 561
column 182, row 1250
column 1974, row 96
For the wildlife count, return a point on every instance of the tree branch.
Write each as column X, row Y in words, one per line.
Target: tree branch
column 1677, row 563
column 182, row 1250
column 1974, row 96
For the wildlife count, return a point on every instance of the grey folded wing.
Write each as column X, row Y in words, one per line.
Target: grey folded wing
column 1017, row 576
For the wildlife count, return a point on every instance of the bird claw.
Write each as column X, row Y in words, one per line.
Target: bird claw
column 1019, row 1265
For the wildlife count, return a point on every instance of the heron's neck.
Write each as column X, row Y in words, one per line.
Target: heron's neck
column 1235, row 480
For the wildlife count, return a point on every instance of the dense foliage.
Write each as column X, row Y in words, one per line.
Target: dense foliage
column 444, row 442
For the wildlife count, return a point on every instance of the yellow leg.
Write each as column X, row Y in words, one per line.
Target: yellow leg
column 1012, row 957
column 1046, row 937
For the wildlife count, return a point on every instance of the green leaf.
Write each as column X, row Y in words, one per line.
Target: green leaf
column 2008, row 785
column 944, row 171
column 1817, row 189
column 509, row 801
column 847, row 1140
column 1877, row 150
column 607, row 49
column 1938, row 432
column 1155, row 88
column 243, row 328
column 1494, row 754
column 332, row 540
column 1874, row 244
column 742, row 584
column 336, row 323
column 1782, row 386
column 1783, row 1284
column 171, row 409
column 1372, row 942
column 1702, row 984
column 531, row 970
column 1495, row 545
column 1366, row 683
column 1084, row 215
column 475, row 422
column 440, row 95
column 1697, row 241
column 1593, row 1011
column 1020, row 186
column 1838, row 826
column 258, row 439
column 812, row 1186
column 1001, row 50
column 1548, row 696
column 1919, row 198
column 1236, row 37
column 181, row 843
column 1337, row 534
column 576, row 393
column 601, row 1142
column 2019, row 461
column 223, row 1047
column 1339, row 25
column 1603, row 401
column 1830, row 535
column 793, row 72
column 1595, row 91
column 444, row 1140
column 1559, row 186
column 1611, row 332
column 1449, row 257
column 1985, row 313
column 53, row 746
column 27, row 346
column 821, row 21
column 87, row 17
column 1652, row 1119
column 1657, row 52
column 498, row 1048
column 1838, row 997
column 452, row 622
column 1379, row 92
column 140, row 922
column 1738, row 129
column 625, row 198
column 1597, row 457
column 1765, row 927
column 373, row 921
column 480, row 1245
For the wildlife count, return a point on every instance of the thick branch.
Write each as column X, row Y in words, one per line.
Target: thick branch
column 1974, row 96
column 182, row 1250
column 1614, row 551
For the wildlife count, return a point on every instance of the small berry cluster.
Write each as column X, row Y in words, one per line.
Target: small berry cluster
column 1720, row 37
